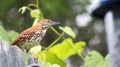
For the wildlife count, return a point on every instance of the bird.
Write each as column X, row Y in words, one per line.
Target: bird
column 32, row 36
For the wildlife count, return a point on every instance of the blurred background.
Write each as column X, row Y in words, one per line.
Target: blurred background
column 73, row 13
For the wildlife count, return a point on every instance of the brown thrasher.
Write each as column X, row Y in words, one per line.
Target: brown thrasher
column 33, row 35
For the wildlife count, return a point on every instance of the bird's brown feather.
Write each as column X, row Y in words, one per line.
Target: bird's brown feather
column 33, row 35
column 26, row 34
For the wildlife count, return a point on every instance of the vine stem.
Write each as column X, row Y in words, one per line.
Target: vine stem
column 34, row 5
column 41, row 15
column 61, row 36
column 55, row 31
column 37, row 3
column 53, row 43
column 29, row 8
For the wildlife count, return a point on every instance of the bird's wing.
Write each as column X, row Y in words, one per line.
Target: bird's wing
column 26, row 34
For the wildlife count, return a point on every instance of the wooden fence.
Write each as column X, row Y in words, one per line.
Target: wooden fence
column 12, row 56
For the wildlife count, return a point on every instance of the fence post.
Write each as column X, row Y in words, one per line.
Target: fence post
column 12, row 56
column 109, row 10
column 112, row 24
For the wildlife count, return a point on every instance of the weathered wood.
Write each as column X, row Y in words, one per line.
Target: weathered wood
column 112, row 24
column 12, row 56
column 33, row 62
column 17, row 57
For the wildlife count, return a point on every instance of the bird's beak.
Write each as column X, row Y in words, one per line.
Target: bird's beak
column 55, row 23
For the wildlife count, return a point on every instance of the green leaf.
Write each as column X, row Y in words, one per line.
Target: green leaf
column 67, row 48
column 47, row 64
column 47, row 57
column 55, row 65
column 79, row 46
column 107, row 60
column 22, row 9
column 4, row 35
column 53, row 59
column 35, row 50
column 63, row 50
column 68, row 31
column 13, row 35
column 95, row 59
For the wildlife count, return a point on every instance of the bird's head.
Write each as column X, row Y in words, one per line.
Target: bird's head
column 46, row 23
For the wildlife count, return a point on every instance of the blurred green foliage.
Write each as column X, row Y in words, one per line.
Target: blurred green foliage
column 11, row 19
column 55, row 55
column 4, row 35
column 59, row 52
column 56, row 9
column 59, row 10
column 64, row 11
column 95, row 59
column 5, row 6
column 64, row 50
column 9, row 37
